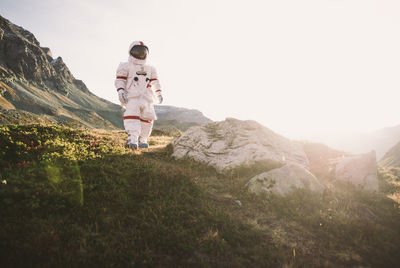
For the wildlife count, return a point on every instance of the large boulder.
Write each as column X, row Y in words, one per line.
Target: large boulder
column 234, row 143
column 285, row 179
column 359, row 170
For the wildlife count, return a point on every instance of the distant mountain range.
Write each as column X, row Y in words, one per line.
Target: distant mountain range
column 35, row 87
column 381, row 141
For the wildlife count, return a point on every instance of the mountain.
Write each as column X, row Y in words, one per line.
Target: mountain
column 392, row 157
column 35, row 87
column 31, row 80
column 380, row 140
column 173, row 120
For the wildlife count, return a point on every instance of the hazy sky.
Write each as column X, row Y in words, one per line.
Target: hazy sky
column 302, row 68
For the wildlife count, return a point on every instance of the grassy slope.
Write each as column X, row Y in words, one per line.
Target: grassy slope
column 78, row 198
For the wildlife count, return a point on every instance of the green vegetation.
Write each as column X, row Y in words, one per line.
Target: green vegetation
column 78, row 198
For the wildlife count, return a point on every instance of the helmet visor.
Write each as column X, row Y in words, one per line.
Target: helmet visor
column 139, row 52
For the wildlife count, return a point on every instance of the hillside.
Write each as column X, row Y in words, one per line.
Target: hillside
column 31, row 80
column 171, row 118
column 392, row 157
column 78, row 198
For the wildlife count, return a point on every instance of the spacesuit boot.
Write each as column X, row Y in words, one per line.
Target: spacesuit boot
column 132, row 142
column 146, row 128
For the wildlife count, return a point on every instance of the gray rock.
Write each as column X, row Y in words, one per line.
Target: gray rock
column 47, row 51
column 62, row 69
column 285, row 179
column 238, row 202
column 234, row 143
column 359, row 170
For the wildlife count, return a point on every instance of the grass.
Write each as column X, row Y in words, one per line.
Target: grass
column 76, row 198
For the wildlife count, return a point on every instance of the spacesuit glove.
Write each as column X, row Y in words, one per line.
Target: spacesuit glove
column 122, row 96
column 160, row 99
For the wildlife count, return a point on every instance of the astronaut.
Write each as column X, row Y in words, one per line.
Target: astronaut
column 138, row 87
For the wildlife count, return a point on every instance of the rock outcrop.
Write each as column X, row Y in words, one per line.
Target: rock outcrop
column 234, row 143
column 47, row 51
column 285, row 179
column 360, row 170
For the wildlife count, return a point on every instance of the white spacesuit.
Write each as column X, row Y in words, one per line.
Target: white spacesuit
column 137, row 87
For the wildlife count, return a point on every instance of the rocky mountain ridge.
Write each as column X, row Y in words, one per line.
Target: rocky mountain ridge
column 31, row 80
